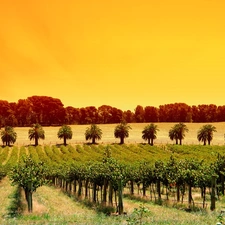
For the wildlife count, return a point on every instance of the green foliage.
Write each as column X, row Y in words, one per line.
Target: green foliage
column 15, row 208
column 107, row 210
column 220, row 219
column 8, row 135
column 149, row 133
column 117, row 166
column 93, row 133
column 177, row 132
column 28, row 174
column 205, row 133
column 139, row 216
column 13, row 158
column 122, row 131
column 65, row 132
column 36, row 132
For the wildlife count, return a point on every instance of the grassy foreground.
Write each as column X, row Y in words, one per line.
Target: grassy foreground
column 51, row 206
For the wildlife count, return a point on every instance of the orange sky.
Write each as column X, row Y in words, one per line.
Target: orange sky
column 114, row 52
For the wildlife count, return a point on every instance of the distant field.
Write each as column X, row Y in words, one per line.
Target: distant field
column 135, row 134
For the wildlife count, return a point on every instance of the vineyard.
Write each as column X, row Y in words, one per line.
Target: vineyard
column 101, row 175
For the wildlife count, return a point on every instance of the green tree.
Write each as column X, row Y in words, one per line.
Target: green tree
column 202, row 135
column 29, row 175
column 177, row 132
column 122, row 131
column 205, row 133
column 65, row 132
column 93, row 133
column 36, row 132
column 8, row 135
column 173, row 134
column 149, row 133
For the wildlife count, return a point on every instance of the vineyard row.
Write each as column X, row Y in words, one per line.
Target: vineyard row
column 86, row 170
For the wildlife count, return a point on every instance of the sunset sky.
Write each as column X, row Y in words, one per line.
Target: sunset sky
column 121, row 53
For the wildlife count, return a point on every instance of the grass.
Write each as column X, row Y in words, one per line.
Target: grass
column 52, row 206
column 6, row 190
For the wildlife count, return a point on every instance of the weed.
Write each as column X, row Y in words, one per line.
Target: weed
column 138, row 216
column 107, row 210
column 16, row 207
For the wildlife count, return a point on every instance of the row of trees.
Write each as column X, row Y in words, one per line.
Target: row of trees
column 51, row 111
column 93, row 133
column 111, row 176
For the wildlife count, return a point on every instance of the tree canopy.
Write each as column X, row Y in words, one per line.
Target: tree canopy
column 93, row 133
column 149, row 133
column 36, row 132
column 65, row 132
column 177, row 132
column 122, row 131
column 49, row 111
column 8, row 135
column 205, row 133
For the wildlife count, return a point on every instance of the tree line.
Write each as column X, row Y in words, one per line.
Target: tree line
column 51, row 111
column 121, row 131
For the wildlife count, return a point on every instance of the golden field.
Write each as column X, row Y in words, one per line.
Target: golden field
column 135, row 135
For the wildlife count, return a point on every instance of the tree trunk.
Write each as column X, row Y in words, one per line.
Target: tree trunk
column 182, row 192
column 110, row 193
column 70, row 187
column 180, row 141
column 93, row 140
column 28, row 195
column 132, row 187
column 222, row 184
column 204, row 193
column 64, row 140
column 66, row 185
column 213, row 194
column 208, row 142
column 176, row 141
column 36, row 141
column 86, row 188
column 30, row 202
column 79, row 187
column 158, row 190
column 151, row 142
column 144, row 190
column 7, row 141
column 122, row 140
column 189, row 195
column 94, row 192
column 138, row 185
column 120, row 196
column 74, row 186
column 105, row 191
column 178, row 193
